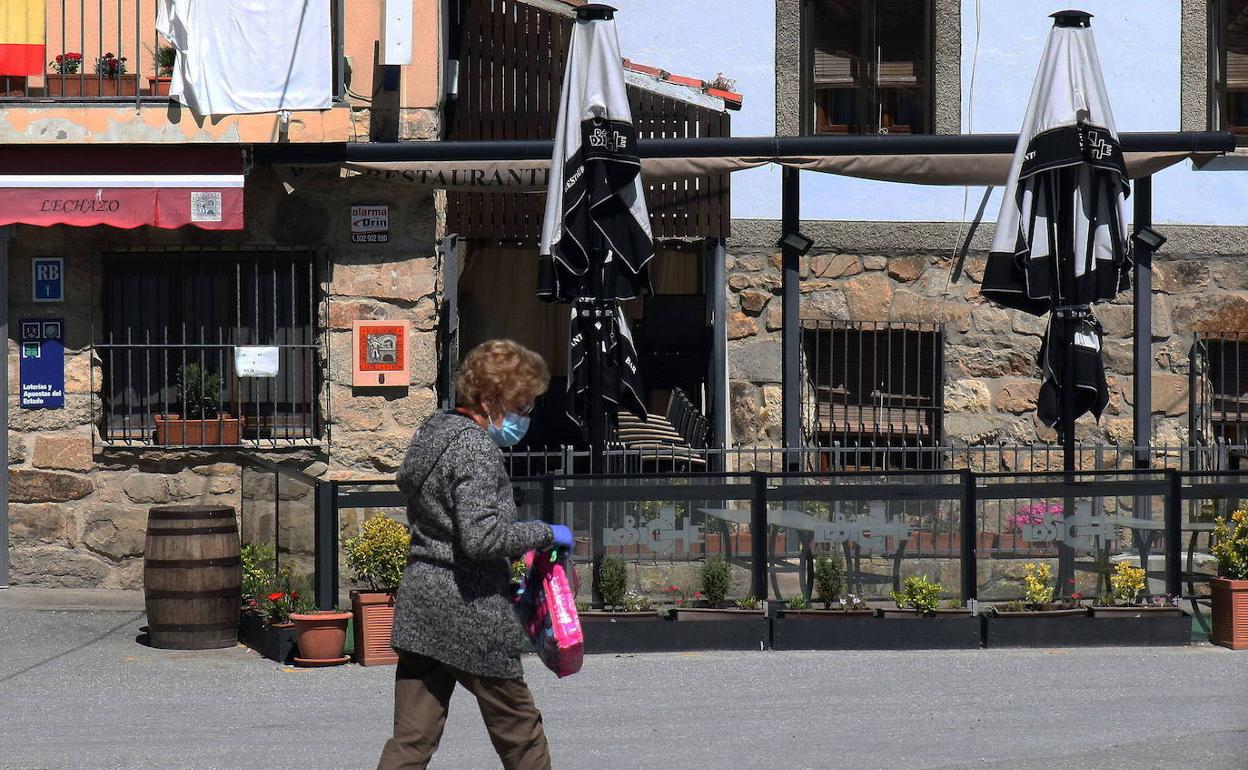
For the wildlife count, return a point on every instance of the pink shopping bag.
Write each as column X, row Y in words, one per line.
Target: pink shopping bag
column 547, row 609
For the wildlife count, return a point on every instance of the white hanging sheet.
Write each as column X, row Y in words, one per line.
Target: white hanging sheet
column 249, row 56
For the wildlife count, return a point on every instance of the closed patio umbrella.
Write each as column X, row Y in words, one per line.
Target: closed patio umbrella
column 596, row 239
column 1061, row 241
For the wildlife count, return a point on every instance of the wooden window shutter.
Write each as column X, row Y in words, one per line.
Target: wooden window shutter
column 902, row 42
column 837, row 43
column 1237, row 44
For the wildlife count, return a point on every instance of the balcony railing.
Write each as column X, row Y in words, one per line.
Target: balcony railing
column 109, row 51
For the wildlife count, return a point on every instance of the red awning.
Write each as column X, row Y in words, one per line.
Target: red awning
column 126, row 187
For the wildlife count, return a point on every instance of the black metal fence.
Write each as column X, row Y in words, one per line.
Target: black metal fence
column 836, row 458
column 972, row 532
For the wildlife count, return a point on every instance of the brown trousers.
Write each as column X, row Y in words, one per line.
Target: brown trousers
column 422, row 693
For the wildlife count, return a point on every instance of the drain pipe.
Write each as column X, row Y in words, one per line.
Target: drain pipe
column 5, row 234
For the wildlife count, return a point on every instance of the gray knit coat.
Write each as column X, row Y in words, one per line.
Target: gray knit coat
column 454, row 603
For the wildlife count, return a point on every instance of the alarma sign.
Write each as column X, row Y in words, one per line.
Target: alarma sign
column 370, row 224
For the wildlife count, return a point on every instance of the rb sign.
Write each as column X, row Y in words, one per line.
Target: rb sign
column 48, row 274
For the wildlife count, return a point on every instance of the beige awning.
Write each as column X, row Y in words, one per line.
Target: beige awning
column 530, row 175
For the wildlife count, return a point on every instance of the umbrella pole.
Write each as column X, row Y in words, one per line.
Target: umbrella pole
column 596, row 417
column 1066, row 243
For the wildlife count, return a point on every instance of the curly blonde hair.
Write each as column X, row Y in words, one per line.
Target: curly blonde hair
column 502, row 373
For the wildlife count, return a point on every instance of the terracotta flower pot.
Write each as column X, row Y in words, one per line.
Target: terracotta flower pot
column 1230, row 613
column 89, row 84
column 172, row 430
column 374, row 620
column 321, row 637
column 159, row 86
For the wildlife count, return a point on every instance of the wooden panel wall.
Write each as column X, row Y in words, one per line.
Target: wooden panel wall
column 511, row 61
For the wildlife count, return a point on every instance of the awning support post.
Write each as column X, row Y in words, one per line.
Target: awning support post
column 1142, row 361
column 448, row 323
column 717, row 377
column 791, row 386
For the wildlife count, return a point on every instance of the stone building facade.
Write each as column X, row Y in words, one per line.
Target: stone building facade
column 79, row 505
column 879, row 272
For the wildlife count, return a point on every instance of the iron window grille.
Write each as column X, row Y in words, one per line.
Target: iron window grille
column 868, row 66
column 874, row 386
column 1228, row 65
column 1219, row 389
column 171, row 325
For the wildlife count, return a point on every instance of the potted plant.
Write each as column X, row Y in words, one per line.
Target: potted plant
column 376, row 558
column 1126, row 598
column 109, row 78
column 829, row 580
column 199, row 422
column 619, row 603
column 919, row 597
column 268, row 600
column 165, row 56
column 708, row 604
column 1230, row 588
column 321, row 636
column 1039, row 619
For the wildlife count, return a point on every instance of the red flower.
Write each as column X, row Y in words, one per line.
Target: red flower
column 697, row 594
column 1076, row 596
column 276, row 596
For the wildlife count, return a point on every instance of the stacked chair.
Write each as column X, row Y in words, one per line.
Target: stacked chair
column 675, row 441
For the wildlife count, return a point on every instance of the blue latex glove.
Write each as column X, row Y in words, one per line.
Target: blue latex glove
column 562, row 536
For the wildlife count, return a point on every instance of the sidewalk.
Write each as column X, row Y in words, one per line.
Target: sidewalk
column 70, row 599
column 80, row 692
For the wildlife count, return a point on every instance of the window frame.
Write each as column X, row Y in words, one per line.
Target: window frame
column 1212, row 421
column 1218, row 93
column 306, row 424
column 888, row 341
column 867, row 99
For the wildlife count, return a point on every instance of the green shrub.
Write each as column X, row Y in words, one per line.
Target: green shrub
column 716, row 578
column 829, row 579
column 747, row 602
column 259, row 560
column 919, row 594
column 1230, row 545
column 378, row 556
column 798, row 603
column 613, row 578
column 199, row 392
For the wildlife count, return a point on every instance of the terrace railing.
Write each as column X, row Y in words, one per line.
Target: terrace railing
column 109, row 51
column 970, row 531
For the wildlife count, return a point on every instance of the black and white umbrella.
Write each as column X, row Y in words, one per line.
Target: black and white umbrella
column 596, row 239
column 1061, row 242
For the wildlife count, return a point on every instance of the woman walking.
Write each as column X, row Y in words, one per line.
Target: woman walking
column 454, row 621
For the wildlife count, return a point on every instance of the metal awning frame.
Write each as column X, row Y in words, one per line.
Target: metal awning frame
column 1193, row 143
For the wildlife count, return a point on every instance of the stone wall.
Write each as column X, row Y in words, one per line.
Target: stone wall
column 991, row 376
column 79, row 508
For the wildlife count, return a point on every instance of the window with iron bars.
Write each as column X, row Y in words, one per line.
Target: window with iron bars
column 874, row 386
column 1219, row 389
column 173, row 323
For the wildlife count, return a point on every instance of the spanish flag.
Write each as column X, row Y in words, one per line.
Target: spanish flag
column 22, row 35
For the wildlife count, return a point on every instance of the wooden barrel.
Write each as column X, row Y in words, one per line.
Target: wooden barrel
column 192, row 577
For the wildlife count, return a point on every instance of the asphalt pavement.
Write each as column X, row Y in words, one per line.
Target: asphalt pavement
column 77, row 690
